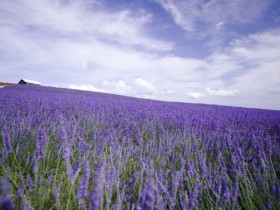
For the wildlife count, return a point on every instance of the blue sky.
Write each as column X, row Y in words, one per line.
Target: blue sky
column 216, row 52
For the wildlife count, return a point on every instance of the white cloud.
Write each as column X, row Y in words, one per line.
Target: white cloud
column 81, row 19
column 192, row 15
column 221, row 92
column 144, row 85
column 87, row 88
column 121, row 87
column 145, row 96
column 259, row 55
column 176, row 11
column 141, row 88
column 179, row 67
column 212, row 93
column 249, row 64
column 118, row 87
column 166, row 92
column 220, row 25
column 257, row 48
column 195, row 95
column 219, row 64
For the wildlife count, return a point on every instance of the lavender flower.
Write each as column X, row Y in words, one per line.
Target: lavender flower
column 176, row 180
column 30, row 183
column 268, row 204
column 56, row 191
column 147, row 199
column 49, row 181
column 97, row 193
column 40, row 143
column 118, row 204
column 191, row 169
column 83, row 147
column 203, row 167
column 7, row 142
column 66, row 151
column 40, row 182
column 34, row 166
column 235, row 189
column 69, row 172
column 229, row 141
column 24, row 202
column 77, row 166
column 82, row 191
column 193, row 198
column 6, row 201
column 65, row 146
column 226, row 194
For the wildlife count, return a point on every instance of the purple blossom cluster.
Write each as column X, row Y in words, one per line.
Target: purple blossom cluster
column 69, row 149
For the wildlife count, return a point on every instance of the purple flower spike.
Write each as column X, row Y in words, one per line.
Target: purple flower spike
column 49, row 181
column 148, row 195
column 69, row 171
column 6, row 204
column 6, row 201
column 56, row 192
column 227, row 194
column 24, row 202
column 35, row 167
column 7, row 143
column 65, row 145
column 118, row 204
column 191, row 169
column 82, row 191
column 268, row 204
column 176, row 180
column 30, row 183
column 40, row 144
column 97, row 193
column 194, row 196
column 66, row 152
column 40, row 182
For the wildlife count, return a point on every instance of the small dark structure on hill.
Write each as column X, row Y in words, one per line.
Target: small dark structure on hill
column 28, row 82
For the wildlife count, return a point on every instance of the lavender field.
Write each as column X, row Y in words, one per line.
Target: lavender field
column 68, row 149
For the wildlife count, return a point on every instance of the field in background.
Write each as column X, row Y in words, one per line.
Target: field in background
column 69, row 149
